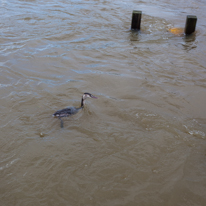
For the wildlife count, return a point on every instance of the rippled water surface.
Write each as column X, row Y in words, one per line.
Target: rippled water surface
column 142, row 142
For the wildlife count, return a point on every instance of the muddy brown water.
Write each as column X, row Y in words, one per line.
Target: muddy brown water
column 142, row 142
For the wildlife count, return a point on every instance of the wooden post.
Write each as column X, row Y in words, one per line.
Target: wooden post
column 136, row 19
column 190, row 24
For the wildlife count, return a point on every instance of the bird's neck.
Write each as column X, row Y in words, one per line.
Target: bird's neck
column 82, row 103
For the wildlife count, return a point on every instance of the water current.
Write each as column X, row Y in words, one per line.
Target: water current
column 142, row 142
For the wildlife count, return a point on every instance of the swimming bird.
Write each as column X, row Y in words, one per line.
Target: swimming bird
column 72, row 110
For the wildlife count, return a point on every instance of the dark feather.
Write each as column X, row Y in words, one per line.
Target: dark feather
column 66, row 112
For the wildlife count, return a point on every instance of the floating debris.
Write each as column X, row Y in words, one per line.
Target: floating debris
column 177, row 31
column 41, row 134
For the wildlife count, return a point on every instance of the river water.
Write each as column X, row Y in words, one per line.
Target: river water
column 142, row 142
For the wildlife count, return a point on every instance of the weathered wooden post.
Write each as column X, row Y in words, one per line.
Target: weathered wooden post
column 190, row 24
column 136, row 19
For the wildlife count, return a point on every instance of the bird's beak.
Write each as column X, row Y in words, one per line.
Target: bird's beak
column 94, row 97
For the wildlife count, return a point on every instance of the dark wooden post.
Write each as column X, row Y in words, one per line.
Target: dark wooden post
column 136, row 19
column 190, row 24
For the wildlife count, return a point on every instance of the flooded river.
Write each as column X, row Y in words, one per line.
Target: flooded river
column 142, row 142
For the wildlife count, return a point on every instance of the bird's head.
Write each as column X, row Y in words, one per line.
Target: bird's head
column 88, row 95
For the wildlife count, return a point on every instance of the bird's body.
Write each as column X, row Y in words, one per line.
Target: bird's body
column 66, row 112
column 72, row 110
